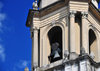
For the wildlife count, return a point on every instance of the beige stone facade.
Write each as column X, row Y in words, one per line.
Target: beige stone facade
column 74, row 25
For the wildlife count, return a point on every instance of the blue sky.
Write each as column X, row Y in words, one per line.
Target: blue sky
column 99, row 4
column 15, row 41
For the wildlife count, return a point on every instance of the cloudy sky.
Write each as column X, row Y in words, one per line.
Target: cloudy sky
column 15, row 41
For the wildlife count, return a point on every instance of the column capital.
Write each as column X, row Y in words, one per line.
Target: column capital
column 32, row 29
column 84, row 14
column 72, row 13
column 35, row 28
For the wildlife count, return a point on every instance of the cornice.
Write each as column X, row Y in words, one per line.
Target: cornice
column 93, row 10
column 55, row 6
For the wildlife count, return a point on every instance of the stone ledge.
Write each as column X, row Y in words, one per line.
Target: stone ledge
column 70, row 62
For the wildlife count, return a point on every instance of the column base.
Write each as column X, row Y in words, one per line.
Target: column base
column 36, row 69
column 83, row 52
column 35, row 66
column 73, row 55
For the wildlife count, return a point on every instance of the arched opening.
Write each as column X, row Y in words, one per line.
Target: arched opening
column 55, row 39
column 93, row 44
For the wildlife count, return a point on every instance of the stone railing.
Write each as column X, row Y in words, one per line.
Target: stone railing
column 82, row 63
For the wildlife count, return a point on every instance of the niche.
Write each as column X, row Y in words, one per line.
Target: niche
column 55, row 39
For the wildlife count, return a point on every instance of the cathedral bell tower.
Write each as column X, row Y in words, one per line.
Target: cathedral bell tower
column 64, row 33
column 47, row 35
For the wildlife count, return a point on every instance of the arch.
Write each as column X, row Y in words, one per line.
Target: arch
column 55, row 36
column 61, row 25
column 93, row 47
column 54, row 33
column 45, row 43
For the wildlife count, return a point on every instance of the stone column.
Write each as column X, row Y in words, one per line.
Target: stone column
column 72, row 31
column 34, row 35
column 85, row 42
column 73, row 54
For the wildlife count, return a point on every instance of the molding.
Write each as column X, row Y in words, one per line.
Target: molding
column 58, row 5
column 84, row 14
column 70, row 62
column 93, row 10
column 33, row 28
column 80, row 0
column 72, row 13
column 94, row 28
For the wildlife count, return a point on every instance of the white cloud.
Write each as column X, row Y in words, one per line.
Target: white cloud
column 1, row 30
column 1, row 5
column 0, row 24
column 21, row 65
column 2, row 53
column 2, row 17
column 25, row 63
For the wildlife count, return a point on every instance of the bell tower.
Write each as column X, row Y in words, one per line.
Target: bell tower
column 65, row 35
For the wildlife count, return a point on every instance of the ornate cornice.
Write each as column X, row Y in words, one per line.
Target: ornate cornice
column 93, row 10
column 55, row 6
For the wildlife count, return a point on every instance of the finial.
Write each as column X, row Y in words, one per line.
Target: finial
column 35, row 5
column 26, row 69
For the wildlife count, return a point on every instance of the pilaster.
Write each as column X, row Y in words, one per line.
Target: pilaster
column 34, row 33
column 72, row 31
column 85, row 42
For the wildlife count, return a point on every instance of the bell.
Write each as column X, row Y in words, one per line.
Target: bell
column 56, row 55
